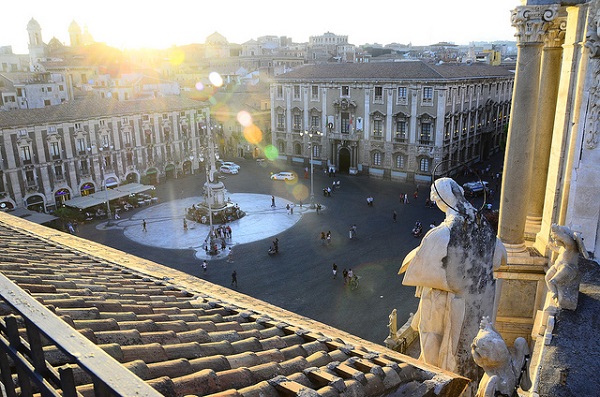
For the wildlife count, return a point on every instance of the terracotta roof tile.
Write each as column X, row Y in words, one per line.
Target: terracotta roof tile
column 215, row 363
column 106, row 324
column 188, row 350
column 247, row 345
column 189, row 337
column 195, row 335
column 198, row 383
column 149, row 353
column 171, row 368
column 119, row 316
column 235, row 378
column 270, row 356
column 122, row 337
column 261, row 389
column 79, row 313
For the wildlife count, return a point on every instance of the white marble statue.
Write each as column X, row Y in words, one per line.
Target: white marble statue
column 452, row 269
column 505, row 370
column 563, row 277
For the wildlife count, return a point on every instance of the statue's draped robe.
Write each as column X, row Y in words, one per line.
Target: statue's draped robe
column 453, row 269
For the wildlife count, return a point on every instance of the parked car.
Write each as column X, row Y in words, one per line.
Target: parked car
column 228, row 169
column 230, row 164
column 477, row 188
column 283, row 176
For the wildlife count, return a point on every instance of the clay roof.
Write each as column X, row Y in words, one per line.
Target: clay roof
column 185, row 336
column 387, row 71
column 91, row 108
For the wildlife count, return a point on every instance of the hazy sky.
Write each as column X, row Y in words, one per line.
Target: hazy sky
column 146, row 24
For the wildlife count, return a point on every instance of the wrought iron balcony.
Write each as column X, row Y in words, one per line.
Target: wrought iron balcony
column 27, row 358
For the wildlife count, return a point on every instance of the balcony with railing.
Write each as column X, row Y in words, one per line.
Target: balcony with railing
column 344, row 137
column 25, row 361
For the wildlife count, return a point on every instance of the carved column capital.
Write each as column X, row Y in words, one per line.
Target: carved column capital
column 532, row 22
column 592, row 41
column 555, row 33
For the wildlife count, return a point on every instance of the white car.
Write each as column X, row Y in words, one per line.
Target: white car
column 227, row 169
column 283, row 176
column 230, row 164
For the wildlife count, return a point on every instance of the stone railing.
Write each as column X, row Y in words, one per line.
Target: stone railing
column 24, row 368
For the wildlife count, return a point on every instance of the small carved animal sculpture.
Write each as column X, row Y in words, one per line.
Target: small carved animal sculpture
column 504, row 370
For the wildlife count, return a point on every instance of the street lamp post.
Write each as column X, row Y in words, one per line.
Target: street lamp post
column 102, row 166
column 310, row 134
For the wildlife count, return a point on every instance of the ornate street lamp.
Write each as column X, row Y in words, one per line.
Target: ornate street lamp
column 311, row 133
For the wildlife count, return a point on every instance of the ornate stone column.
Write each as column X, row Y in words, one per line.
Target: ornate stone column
column 531, row 23
column 522, row 286
column 548, row 93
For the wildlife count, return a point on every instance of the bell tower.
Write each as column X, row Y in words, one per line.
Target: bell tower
column 36, row 45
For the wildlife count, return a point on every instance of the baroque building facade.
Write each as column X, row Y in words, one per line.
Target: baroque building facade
column 393, row 120
column 51, row 155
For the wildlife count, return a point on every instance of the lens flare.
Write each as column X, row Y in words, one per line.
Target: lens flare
column 253, row 134
column 300, row 193
column 176, row 57
column 216, row 79
column 244, row 118
column 271, row 152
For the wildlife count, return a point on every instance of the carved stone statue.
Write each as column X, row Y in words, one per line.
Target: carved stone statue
column 393, row 324
column 452, row 269
column 563, row 277
column 505, row 370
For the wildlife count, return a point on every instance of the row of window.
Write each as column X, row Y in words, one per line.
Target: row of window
column 425, row 133
column 426, row 97
column 492, row 89
column 400, row 161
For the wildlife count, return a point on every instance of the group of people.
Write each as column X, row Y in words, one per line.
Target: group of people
column 326, row 237
column 273, row 249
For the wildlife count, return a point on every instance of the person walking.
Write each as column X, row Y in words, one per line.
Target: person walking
column 272, row 201
column 234, row 279
column 394, row 216
column 334, row 269
column 328, row 237
column 204, row 266
column 144, row 225
column 345, row 275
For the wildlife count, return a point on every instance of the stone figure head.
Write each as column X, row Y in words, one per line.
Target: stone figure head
column 561, row 235
column 446, row 193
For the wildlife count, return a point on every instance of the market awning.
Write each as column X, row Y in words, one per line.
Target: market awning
column 133, row 188
column 98, row 198
column 32, row 216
